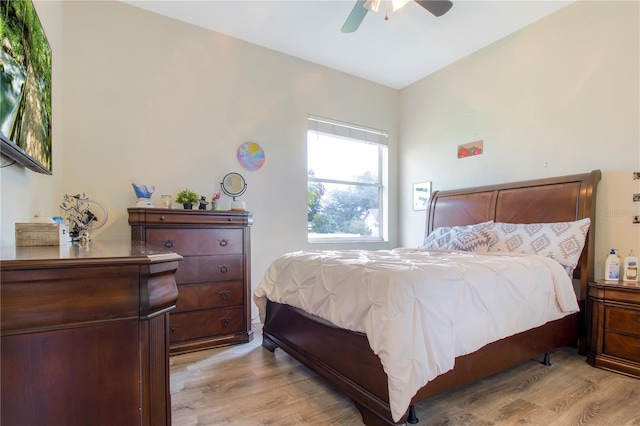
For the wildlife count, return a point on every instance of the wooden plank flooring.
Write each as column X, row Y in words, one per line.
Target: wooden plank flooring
column 248, row 385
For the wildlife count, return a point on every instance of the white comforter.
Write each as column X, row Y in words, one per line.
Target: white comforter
column 421, row 309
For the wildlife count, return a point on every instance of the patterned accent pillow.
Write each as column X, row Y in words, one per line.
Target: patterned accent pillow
column 476, row 241
column 562, row 241
column 440, row 238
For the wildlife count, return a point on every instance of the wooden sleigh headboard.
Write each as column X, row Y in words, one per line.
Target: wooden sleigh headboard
column 558, row 199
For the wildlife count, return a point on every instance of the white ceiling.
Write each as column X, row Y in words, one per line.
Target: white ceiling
column 409, row 46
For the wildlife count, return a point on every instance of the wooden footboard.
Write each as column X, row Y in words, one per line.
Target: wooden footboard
column 345, row 359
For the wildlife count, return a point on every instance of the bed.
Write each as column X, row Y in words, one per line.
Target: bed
column 345, row 357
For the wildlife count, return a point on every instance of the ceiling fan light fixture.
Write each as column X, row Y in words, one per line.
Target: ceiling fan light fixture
column 362, row 7
column 374, row 5
column 397, row 4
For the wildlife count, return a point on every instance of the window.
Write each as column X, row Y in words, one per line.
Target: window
column 346, row 173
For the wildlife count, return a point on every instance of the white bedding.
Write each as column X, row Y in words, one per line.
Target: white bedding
column 421, row 309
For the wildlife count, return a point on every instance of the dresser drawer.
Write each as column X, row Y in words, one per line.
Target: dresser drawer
column 196, row 218
column 206, row 296
column 198, row 241
column 201, row 324
column 201, row 269
column 622, row 346
column 622, row 320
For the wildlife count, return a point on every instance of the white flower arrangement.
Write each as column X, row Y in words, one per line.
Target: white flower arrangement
column 80, row 217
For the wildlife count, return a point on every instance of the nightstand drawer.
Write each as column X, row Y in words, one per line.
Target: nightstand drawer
column 622, row 346
column 203, row 324
column 622, row 320
column 206, row 296
column 197, row 241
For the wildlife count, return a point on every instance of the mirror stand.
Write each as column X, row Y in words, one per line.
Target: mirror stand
column 234, row 185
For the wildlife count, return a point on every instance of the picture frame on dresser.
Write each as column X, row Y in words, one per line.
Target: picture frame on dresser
column 213, row 279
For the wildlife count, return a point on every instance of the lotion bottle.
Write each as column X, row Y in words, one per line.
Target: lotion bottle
column 630, row 268
column 612, row 267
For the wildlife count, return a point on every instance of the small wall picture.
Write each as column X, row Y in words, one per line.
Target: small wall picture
column 636, row 198
column 421, row 195
column 251, row 156
column 636, row 175
column 470, row 149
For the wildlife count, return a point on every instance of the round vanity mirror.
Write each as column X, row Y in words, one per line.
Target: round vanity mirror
column 233, row 185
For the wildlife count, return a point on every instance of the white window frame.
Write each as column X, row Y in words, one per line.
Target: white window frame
column 358, row 134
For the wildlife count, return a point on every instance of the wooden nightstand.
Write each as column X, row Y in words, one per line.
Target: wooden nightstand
column 613, row 318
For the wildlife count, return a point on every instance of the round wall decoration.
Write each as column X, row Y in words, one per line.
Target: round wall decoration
column 251, row 156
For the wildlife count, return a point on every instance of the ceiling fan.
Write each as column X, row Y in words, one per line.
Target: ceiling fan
column 436, row 7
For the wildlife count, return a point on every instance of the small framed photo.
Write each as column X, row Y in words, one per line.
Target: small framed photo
column 421, row 195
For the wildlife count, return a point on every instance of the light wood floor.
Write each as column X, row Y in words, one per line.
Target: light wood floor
column 248, row 385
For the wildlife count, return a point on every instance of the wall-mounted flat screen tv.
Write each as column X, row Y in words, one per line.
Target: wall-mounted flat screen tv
column 25, row 87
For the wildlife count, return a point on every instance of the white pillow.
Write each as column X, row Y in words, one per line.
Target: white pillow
column 440, row 238
column 562, row 241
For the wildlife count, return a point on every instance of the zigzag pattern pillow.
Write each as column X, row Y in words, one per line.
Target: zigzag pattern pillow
column 476, row 241
column 562, row 241
column 441, row 238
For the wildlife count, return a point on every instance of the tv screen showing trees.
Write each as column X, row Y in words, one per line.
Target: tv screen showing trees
column 25, row 86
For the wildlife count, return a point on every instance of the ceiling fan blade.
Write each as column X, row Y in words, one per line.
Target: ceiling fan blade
column 355, row 17
column 436, row 7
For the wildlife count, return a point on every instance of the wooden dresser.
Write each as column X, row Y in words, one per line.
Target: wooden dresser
column 85, row 334
column 214, row 279
column 613, row 315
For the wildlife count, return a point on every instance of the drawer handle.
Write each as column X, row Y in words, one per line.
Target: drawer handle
column 162, row 217
column 172, row 329
column 169, row 243
column 224, row 295
column 225, row 321
column 224, row 242
column 224, row 268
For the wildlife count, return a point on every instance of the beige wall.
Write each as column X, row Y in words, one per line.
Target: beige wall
column 140, row 96
column 559, row 97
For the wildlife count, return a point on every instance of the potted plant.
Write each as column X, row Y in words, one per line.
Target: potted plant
column 187, row 197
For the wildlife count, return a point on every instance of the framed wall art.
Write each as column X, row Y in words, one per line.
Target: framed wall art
column 421, row 195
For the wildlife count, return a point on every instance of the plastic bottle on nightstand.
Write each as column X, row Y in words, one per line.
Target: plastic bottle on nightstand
column 612, row 267
column 630, row 268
